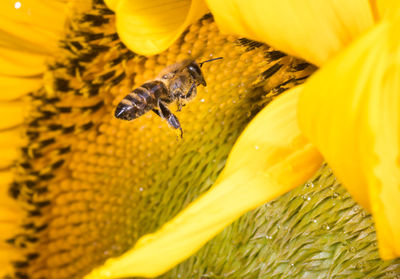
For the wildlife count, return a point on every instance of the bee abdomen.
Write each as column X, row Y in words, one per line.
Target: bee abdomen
column 156, row 89
column 140, row 100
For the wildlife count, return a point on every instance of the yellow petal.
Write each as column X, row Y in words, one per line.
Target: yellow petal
column 149, row 27
column 8, row 156
column 312, row 29
column 11, row 114
column 29, row 31
column 21, row 63
column 36, row 12
column 10, row 144
column 112, row 4
column 11, row 138
column 350, row 110
column 40, row 41
column 270, row 158
column 38, row 23
column 12, row 88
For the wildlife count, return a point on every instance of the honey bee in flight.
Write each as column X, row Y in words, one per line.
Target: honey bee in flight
column 177, row 82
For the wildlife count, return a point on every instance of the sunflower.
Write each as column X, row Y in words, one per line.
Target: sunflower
column 86, row 194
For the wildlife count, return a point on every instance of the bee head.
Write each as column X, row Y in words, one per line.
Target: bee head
column 124, row 111
column 196, row 73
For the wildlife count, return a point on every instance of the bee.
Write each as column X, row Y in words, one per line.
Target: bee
column 176, row 83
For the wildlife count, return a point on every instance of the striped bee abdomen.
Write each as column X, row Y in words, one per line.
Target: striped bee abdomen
column 140, row 100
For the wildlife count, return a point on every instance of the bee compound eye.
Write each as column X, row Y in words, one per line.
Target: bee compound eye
column 195, row 71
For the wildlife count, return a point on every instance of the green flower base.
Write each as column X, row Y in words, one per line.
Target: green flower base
column 314, row 231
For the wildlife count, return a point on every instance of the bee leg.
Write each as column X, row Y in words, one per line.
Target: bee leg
column 192, row 92
column 172, row 120
column 180, row 105
column 156, row 111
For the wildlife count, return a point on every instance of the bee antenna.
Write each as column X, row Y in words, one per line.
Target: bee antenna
column 201, row 63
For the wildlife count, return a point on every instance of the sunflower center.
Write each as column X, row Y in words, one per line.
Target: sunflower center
column 92, row 184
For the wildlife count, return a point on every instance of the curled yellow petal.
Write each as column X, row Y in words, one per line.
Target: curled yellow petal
column 350, row 110
column 314, row 30
column 270, row 158
column 387, row 8
column 149, row 27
